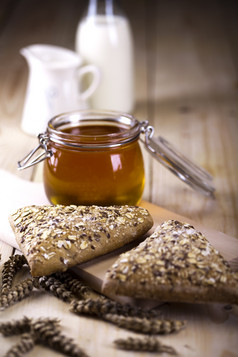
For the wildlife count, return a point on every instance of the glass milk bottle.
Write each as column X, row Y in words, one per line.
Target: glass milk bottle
column 104, row 38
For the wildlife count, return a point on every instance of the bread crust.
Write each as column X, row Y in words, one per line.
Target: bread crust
column 54, row 238
column 177, row 264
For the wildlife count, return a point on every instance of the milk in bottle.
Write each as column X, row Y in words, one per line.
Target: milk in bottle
column 104, row 38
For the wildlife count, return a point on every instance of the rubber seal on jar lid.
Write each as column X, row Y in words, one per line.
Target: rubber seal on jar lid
column 188, row 172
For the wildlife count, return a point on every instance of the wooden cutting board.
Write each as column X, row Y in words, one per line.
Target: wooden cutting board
column 93, row 272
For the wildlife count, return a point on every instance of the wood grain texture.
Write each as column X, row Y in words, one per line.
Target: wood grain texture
column 186, row 85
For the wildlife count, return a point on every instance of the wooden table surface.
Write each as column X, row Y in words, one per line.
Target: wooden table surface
column 186, row 56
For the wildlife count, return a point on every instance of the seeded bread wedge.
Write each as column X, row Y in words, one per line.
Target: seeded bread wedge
column 176, row 263
column 54, row 238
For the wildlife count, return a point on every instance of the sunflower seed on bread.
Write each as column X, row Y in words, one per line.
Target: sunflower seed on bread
column 54, row 238
column 176, row 263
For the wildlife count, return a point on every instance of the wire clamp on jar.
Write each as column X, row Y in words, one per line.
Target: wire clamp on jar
column 29, row 160
column 148, row 131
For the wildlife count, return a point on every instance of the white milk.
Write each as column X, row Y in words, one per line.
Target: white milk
column 106, row 41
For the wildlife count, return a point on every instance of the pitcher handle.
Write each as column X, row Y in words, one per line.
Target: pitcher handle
column 90, row 69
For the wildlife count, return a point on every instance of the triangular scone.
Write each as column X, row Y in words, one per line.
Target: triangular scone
column 176, row 263
column 54, row 238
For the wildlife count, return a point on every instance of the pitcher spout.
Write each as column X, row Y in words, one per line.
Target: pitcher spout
column 51, row 56
column 30, row 56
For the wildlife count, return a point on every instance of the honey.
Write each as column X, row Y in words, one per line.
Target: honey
column 94, row 160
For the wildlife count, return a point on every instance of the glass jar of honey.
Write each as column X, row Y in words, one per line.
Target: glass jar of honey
column 94, row 157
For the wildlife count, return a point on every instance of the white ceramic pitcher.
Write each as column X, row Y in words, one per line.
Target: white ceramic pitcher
column 54, row 85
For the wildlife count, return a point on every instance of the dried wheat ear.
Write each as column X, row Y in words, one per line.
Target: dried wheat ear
column 62, row 285
column 176, row 263
column 54, row 238
column 44, row 331
column 83, row 300
column 146, row 344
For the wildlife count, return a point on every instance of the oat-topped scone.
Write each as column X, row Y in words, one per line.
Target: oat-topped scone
column 54, row 238
column 176, row 263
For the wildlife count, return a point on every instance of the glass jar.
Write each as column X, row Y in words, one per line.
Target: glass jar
column 94, row 157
